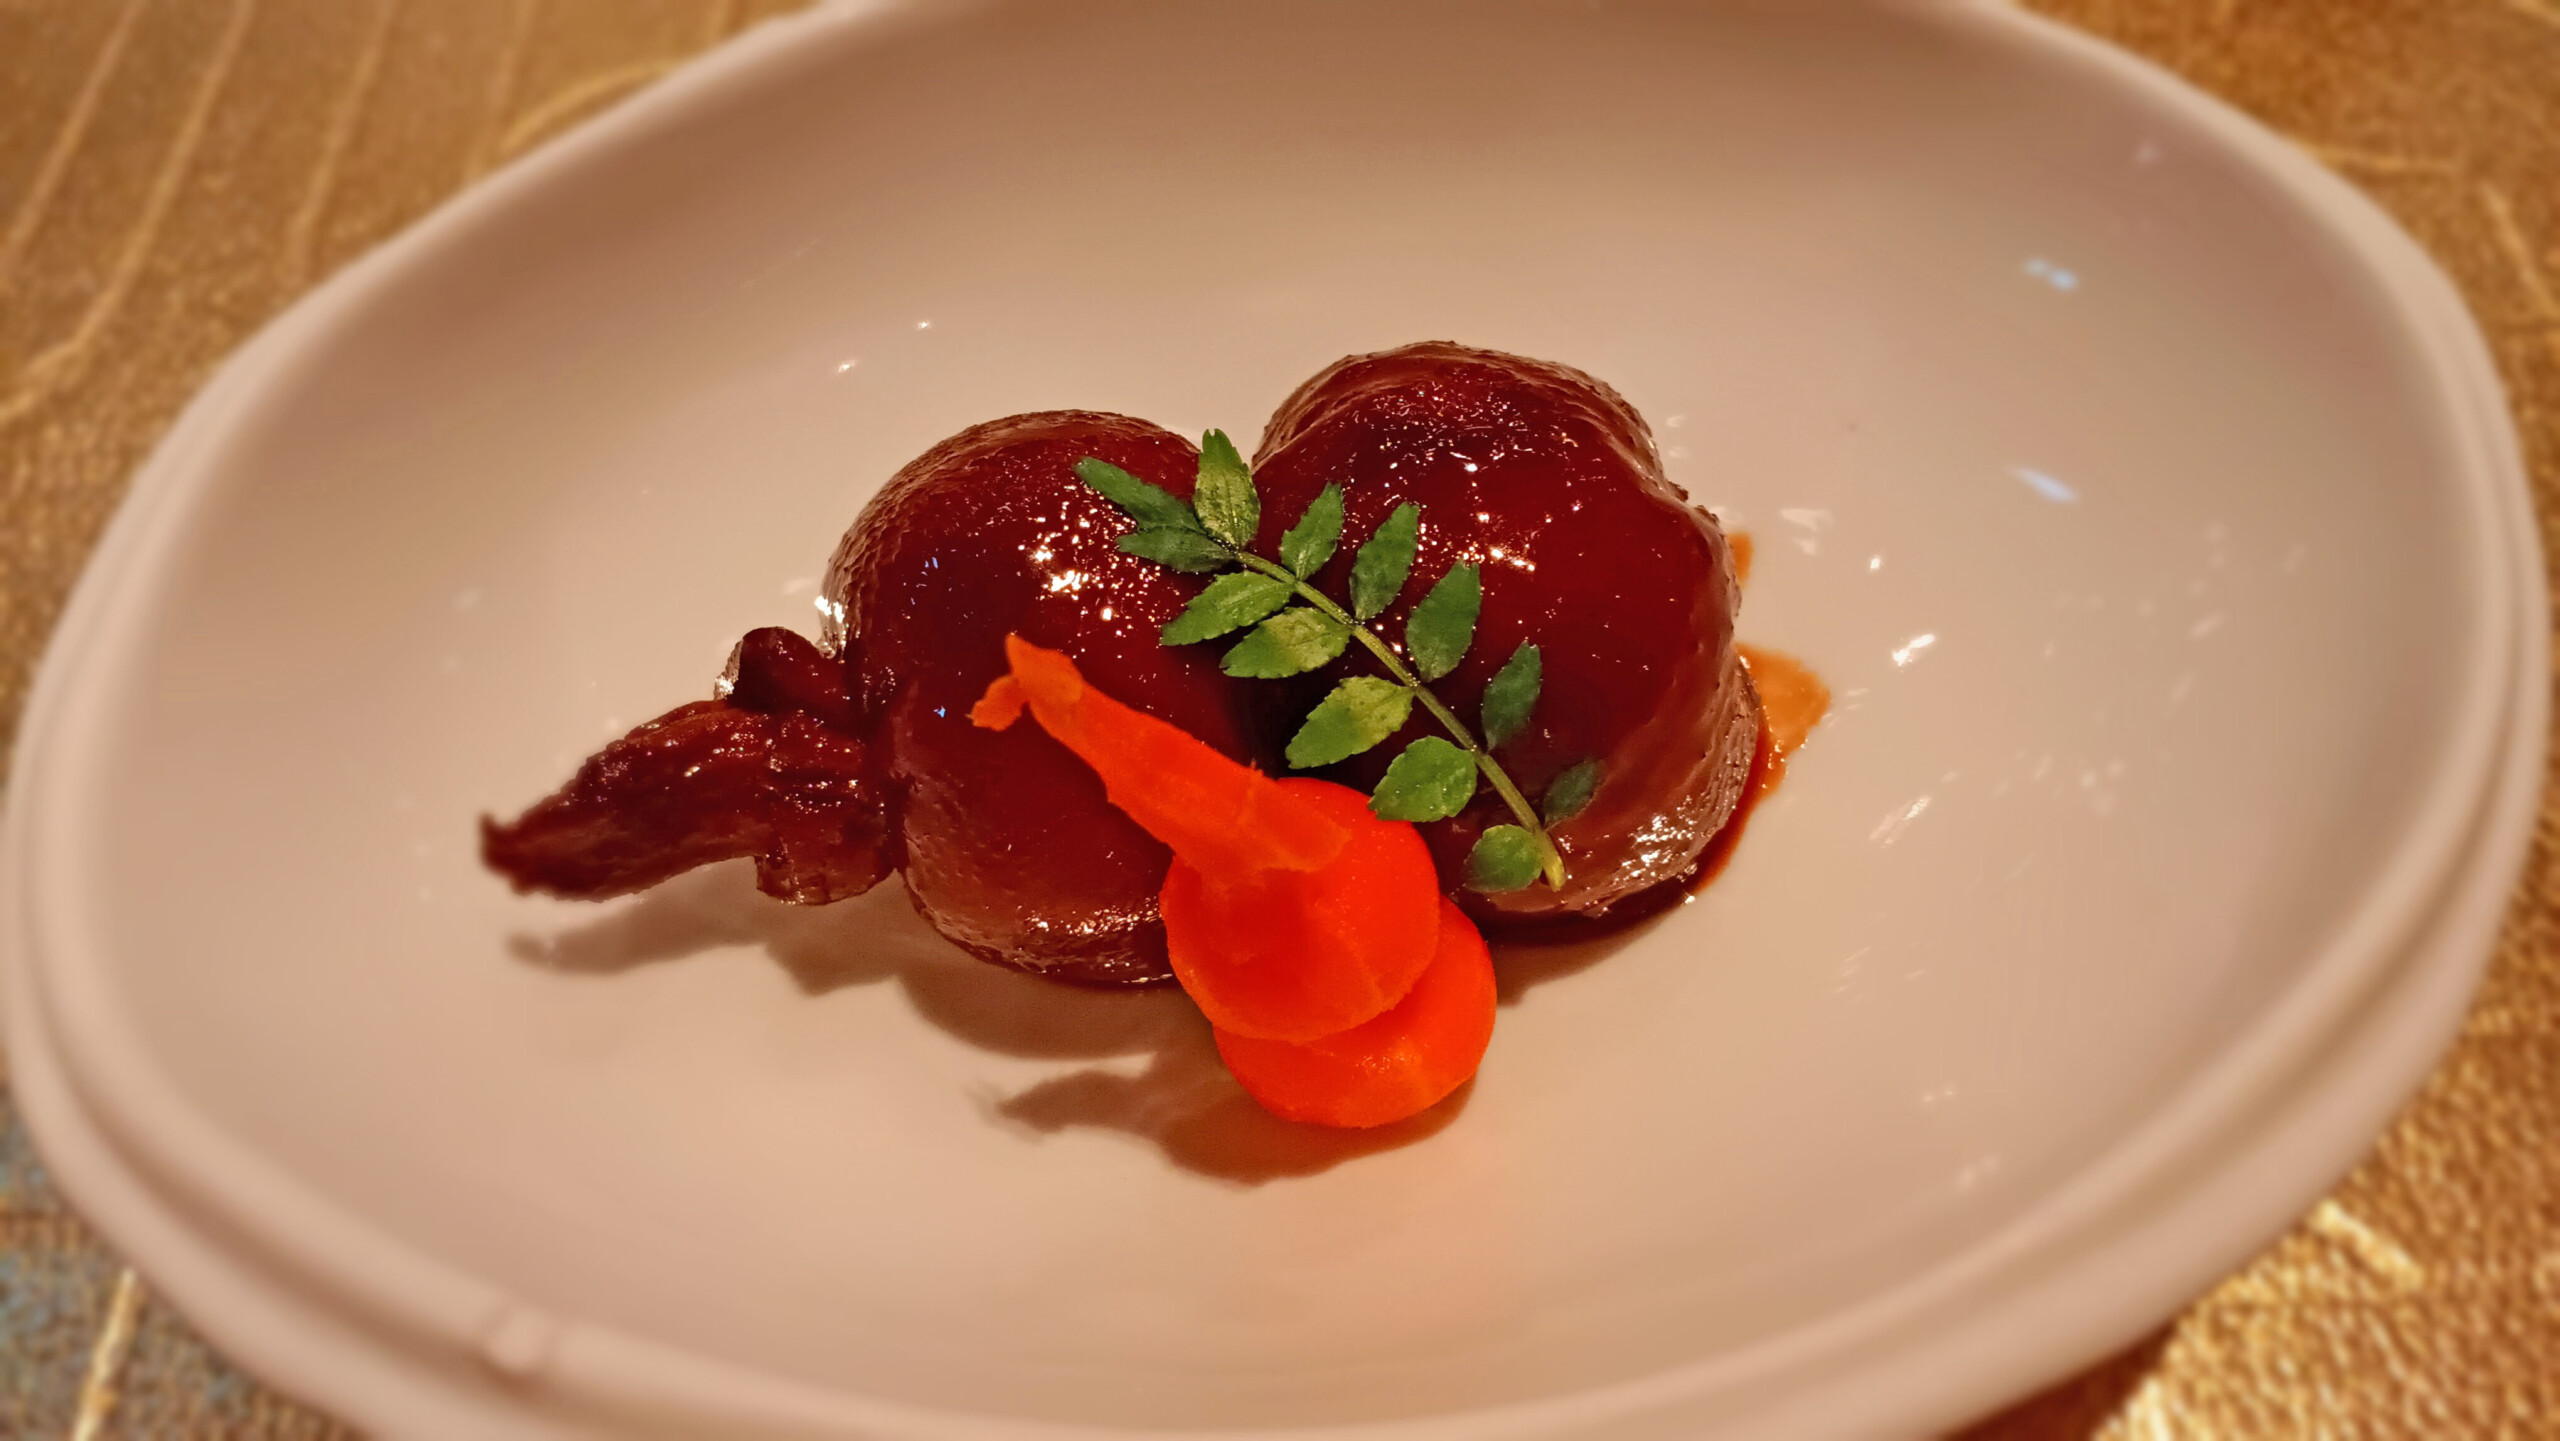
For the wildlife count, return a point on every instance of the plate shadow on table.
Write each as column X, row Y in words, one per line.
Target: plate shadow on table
column 1182, row 1102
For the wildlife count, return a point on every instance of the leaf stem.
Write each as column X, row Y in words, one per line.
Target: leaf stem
column 1551, row 862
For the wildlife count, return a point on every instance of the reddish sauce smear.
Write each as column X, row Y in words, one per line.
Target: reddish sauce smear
column 1793, row 700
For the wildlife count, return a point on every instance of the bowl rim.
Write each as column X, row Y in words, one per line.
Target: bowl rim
column 2471, row 815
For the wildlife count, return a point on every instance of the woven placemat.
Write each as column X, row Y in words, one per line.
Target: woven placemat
column 172, row 174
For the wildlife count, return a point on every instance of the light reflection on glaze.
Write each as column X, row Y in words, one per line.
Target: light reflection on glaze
column 1550, row 482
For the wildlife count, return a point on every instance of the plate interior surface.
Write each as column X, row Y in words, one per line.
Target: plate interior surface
column 2075, row 458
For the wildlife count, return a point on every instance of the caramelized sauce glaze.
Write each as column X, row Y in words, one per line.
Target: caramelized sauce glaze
column 1549, row 481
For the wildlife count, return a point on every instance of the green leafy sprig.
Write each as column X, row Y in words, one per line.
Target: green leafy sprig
column 1292, row 628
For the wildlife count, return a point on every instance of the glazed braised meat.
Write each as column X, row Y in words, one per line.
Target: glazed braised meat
column 833, row 764
column 1008, row 846
column 1005, row 840
column 1549, row 481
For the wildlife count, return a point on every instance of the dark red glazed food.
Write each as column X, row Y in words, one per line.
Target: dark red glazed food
column 1549, row 481
column 1006, row 842
column 1010, row 848
column 833, row 766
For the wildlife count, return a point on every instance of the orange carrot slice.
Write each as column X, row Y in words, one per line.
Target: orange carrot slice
column 1290, row 911
column 1294, row 955
column 1392, row 1066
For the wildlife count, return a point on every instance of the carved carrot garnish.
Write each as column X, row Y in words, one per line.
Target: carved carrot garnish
column 1297, row 920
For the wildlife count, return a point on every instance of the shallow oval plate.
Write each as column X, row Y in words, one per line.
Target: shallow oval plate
column 2075, row 422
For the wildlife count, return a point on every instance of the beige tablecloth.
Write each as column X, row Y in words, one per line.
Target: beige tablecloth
column 172, row 172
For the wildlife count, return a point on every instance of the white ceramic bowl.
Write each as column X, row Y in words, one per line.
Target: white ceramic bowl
column 2146, row 498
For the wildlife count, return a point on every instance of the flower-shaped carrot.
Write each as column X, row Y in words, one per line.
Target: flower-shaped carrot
column 1290, row 912
column 1392, row 1066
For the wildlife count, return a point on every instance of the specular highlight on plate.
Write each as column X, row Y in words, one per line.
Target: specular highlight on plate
column 1474, row 672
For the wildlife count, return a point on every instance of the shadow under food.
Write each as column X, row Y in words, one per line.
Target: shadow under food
column 1525, row 959
column 1183, row 1102
column 1193, row 1110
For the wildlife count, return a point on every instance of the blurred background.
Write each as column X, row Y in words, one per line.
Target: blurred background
column 174, row 172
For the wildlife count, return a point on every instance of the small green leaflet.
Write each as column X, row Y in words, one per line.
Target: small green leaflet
column 1441, row 627
column 1510, row 697
column 1309, row 543
column 1505, row 859
column 1182, row 549
column 1434, row 778
column 1224, row 495
column 1152, row 507
column 1568, row 793
column 1361, row 712
column 1432, row 781
column 1295, row 641
column 1380, row 568
column 1231, row 602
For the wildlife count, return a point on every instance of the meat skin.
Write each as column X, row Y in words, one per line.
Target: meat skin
column 1549, row 481
column 1010, row 848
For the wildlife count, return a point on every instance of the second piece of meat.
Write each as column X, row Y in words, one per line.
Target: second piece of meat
column 1549, row 481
